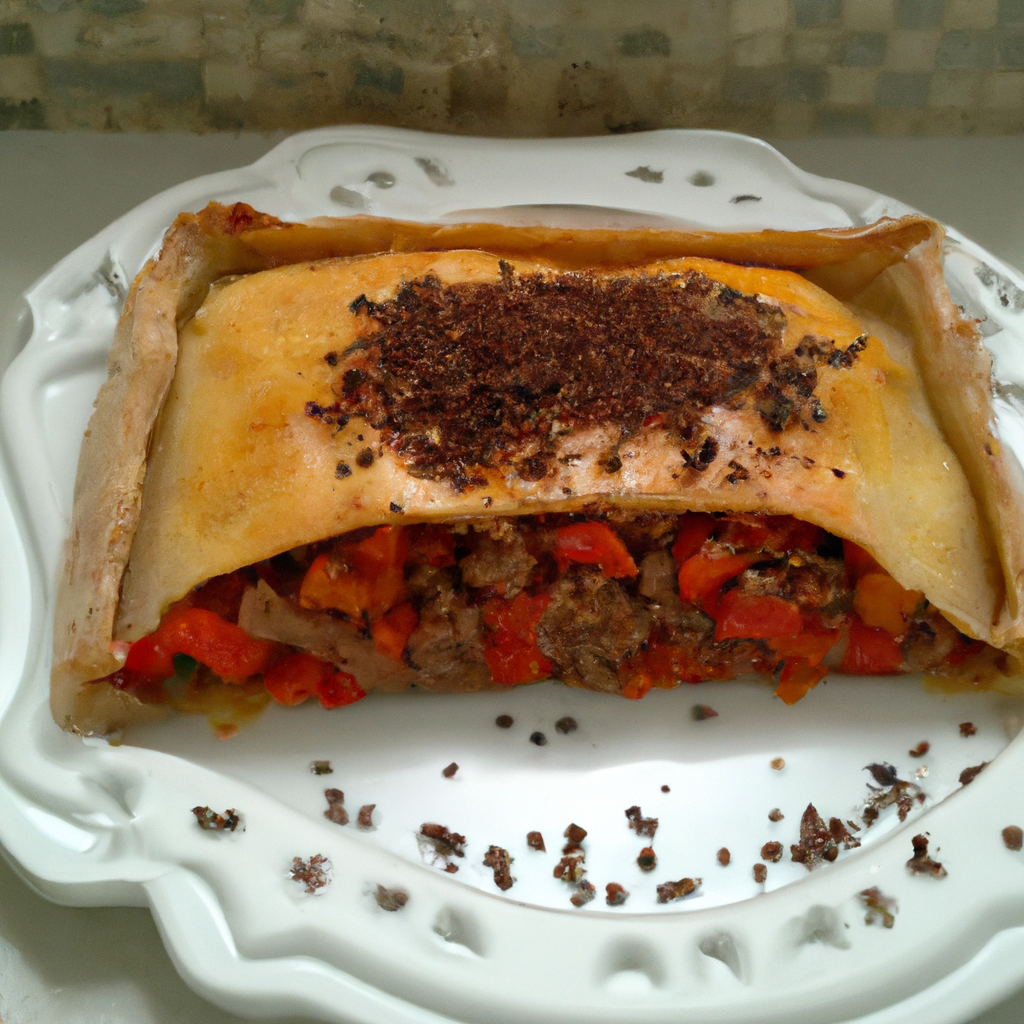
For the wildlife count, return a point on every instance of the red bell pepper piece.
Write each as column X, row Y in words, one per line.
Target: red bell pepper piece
column 703, row 574
column 810, row 645
column 221, row 594
column 302, row 676
column 510, row 645
column 391, row 631
column 694, row 530
column 222, row 646
column 593, row 544
column 370, row 578
column 797, row 677
column 870, row 652
column 755, row 617
column 858, row 562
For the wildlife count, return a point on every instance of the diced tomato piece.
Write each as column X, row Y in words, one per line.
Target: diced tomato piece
column 777, row 534
column 431, row 544
column 370, row 579
column 811, row 646
column 593, row 544
column 510, row 645
column 870, row 652
column 302, row 676
column 858, row 561
column 201, row 634
column 391, row 631
column 797, row 677
column 701, row 575
column 965, row 647
column 755, row 617
column 881, row 602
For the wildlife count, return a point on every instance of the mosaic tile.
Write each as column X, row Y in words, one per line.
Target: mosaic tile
column 966, row 49
column 864, row 49
column 810, row 13
column 919, row 13
column 16, row 40
column 902, row 89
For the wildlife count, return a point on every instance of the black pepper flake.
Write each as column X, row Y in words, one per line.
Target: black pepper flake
column 1013, row 837
column 612, row 464
column 760, row 873
column 839, row 473
column 364, row 460
column 342, row 470
column 397, row 509
column 504, row 721
column 566, row 725
column 336, row 807
column 921, row 749
column 739, row 472
column 538, row 739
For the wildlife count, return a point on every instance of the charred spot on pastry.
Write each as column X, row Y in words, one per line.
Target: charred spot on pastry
column 364, row 460
column 342, row 470
column 838, row 473
column 739, row 472
column 396, row 508
column 331, row 359
column 612, row 464
column 702, row 457
column 313, row 874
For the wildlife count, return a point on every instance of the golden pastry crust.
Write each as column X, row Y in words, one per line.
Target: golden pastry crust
column 201, row 440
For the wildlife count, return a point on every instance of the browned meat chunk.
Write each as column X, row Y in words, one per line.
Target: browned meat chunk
column 498, row 560
column 589, row 625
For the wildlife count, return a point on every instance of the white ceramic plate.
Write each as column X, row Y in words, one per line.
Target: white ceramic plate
column 91, row 823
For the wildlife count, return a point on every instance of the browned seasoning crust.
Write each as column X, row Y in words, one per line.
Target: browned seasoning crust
column 223, row 241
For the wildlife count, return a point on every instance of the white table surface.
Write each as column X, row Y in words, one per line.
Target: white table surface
column 62, row 965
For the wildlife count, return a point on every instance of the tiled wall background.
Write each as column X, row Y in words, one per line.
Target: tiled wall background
column 516, row 67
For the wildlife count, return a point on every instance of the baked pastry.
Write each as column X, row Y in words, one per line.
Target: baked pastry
column 365, row 453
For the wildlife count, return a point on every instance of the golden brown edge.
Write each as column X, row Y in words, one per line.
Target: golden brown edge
column 222, row 240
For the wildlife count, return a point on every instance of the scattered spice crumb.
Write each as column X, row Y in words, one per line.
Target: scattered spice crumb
column 919, row 751
column 968, row 729
column 879, row 907
column 504, row 721
column 391, row 899
column 575, row 834
column 641, row 825
column 566, row 725
column 570, row 868
column 968, row 775
column 921, row 863
column 441, row 846
column 1013, row 837
column 647, row 860
column 664, row 789
column 365, row 817
column 677, row 890
column 819, row 841
column 584, row 893
column 922, row 772
column 724, row 856
column 778, row 763
column 321, row 768
column 535, row 841
column 450, row 771
column 616, row 894
column 500, row 861
column 898, row 792
column 775, row 814
column 312, row 875
column 210, row 821
column 772, row 852
column 760, row 873
column 336, row 807
column 538, row 738
column 700, row 712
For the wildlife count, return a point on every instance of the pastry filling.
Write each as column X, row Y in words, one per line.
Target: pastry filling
column 613, row 601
